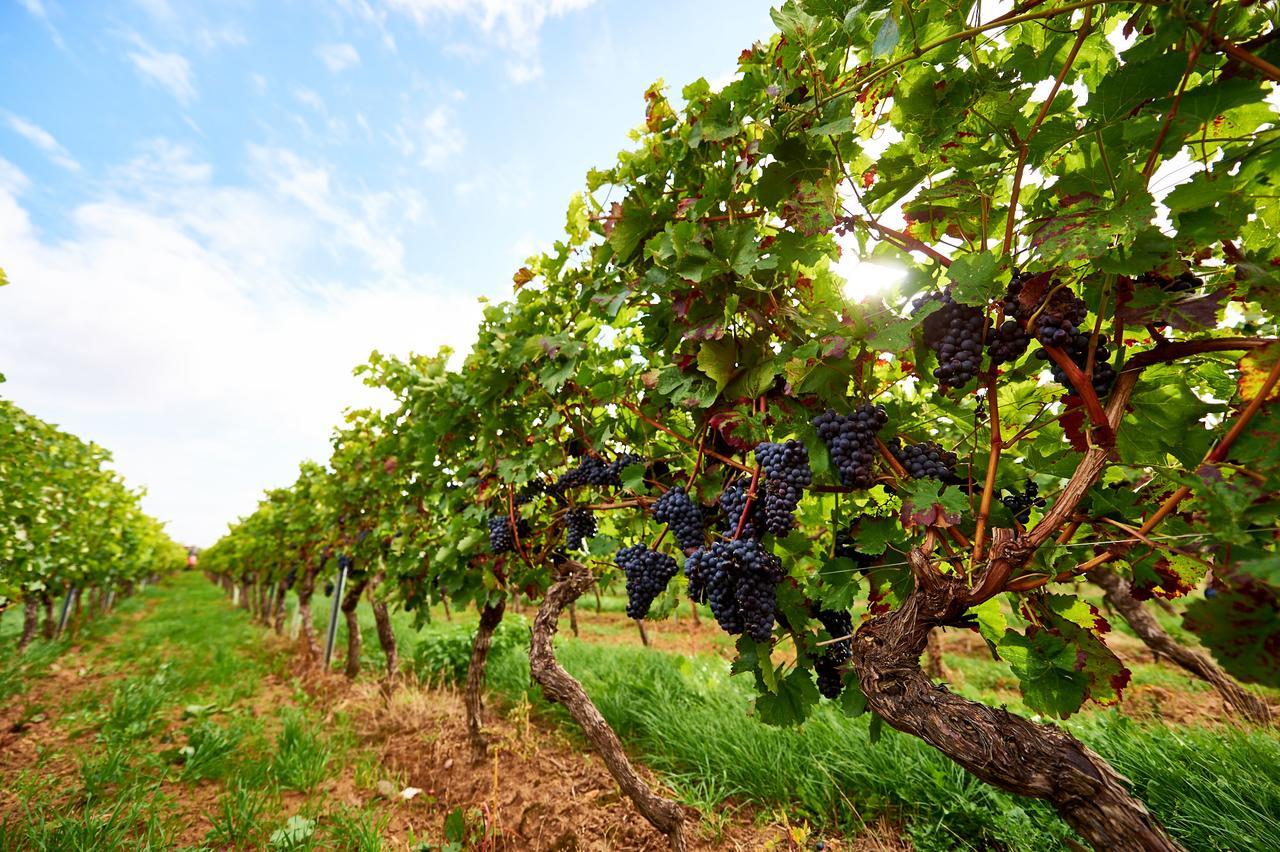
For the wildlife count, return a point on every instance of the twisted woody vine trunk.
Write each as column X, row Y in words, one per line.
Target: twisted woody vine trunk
column 49, row 626
column 490, row 618
column 30, row 622
column 386, row 635
column 559, row 686
column 1119, row 595
column 277, row 617
column 307, row 588
column 1000, row 748
column 349, row 603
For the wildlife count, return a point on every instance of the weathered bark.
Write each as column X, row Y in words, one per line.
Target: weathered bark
column 1000, row 748
column 50, row 626
column 282, row 597
column 473, row 696
column 350, row 601
column 644, row 634
column 310, row 644
column 1119, row 595
column 934, row 667
column 573, row 619
column 558, row 685
column 245, row 595
column 386, row 635
column 30, row 622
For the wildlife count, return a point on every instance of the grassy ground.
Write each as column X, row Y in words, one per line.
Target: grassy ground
column 1215, row 787
column 176, row 723
column 157, row 740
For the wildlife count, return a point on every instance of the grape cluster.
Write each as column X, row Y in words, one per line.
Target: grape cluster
column 592, row 470
column 787, row 472
column 1008, row 342
column 1182, row 283
column 648, row 572
column 926, row 460
column 1077, row 349
column 1061, row 318
column 677, row 510
column 955, row 333
column 733, row 502
column 837, row 623
column 502, row 537
column 851, row 441
column 1019, row 504
column 738, row 580
column 579, row 525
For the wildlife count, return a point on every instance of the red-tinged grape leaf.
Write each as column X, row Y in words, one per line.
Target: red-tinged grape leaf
column 1238, row 620
column 1254, row 368
column 1194, row 314
column 927, row 502
column 1074, row 421
column 522, row 277
column 1167, row 577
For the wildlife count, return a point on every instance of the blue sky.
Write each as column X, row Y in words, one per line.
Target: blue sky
column 211, row 211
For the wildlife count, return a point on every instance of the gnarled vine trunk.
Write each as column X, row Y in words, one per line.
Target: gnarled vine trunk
column 244, row 595
column 473, row 695
column 1119, row 595
column 50, row 626
column 558, row 685
column 282, row 597
column 30, row 622
column 306, row 588
column 386, row 635
column 1000, row 748
column 934, row 666
column 350, row 601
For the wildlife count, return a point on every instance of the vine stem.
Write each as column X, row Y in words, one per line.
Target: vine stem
column 1235, row 51
column 1084, row 389
column 1025, row 143
column 904, row 240
column 635, row 409
column 1217, row 454
column 1192, row 58
column 993, row 462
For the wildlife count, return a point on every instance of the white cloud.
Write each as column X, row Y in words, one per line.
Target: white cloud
column 432, row 137
column 170, row 71
column 180, row 327
column 513, row 25
column 37, row 10
column 338, row 57
column 43, row 139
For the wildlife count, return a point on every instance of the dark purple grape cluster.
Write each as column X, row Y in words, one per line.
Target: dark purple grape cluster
column 955, row 333
column 839, row 625
column 1019, row 504
column 676, row 509
column 648, row 572
column 579, row 525
column 780, row 502
column 851, row 441
column 1077, row 349
column 502, row 538
column 927, row 460
column 830, row 684
column 738, row 580
column 592, row 470
column 1181, row 283
column 787, row 473
column 1007, row 343
column 1061, row 318
column 733, row 502
column 787, row 462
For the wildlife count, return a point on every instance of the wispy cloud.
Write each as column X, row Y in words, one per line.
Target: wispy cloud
column 338, row 57
column 170, row 71
column 431, row 138
column 179, row 324
column 38, row 10
column 512, row 25
column 43, row 139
